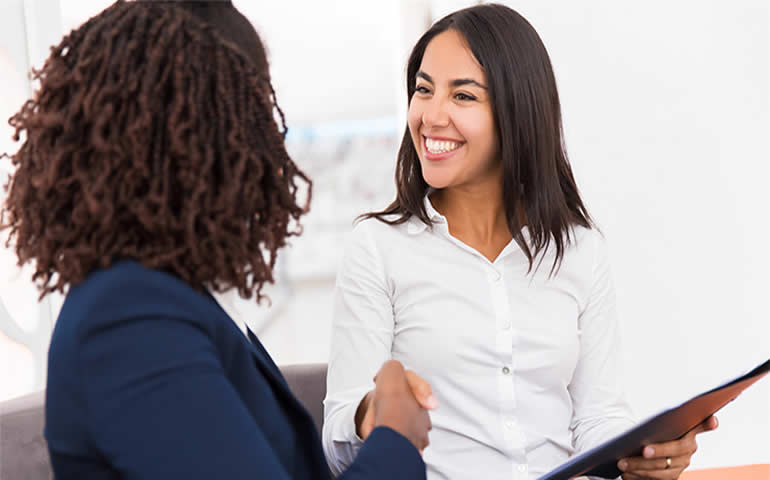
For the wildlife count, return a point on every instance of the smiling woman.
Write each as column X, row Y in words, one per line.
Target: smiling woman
column 451, row 116
column 495, row 112
column 523, row 360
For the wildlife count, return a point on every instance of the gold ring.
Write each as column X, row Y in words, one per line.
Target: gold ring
column 668, row 462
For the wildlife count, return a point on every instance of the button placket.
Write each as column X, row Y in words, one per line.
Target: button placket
column 521, row 471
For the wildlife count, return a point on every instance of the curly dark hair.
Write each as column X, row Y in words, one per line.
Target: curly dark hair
column 153, row 137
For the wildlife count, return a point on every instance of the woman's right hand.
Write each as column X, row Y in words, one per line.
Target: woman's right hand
column 400, row 401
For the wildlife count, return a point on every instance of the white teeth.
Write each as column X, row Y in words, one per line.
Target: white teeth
column 440, row 146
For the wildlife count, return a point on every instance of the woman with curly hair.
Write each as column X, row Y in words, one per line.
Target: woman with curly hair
column 151, row 176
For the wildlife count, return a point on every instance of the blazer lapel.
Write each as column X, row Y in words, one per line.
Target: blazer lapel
column 267, row 366
column 273, row 373
column 265, row 363
column 265, row 360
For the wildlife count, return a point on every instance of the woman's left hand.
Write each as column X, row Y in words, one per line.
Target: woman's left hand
column 665, row 461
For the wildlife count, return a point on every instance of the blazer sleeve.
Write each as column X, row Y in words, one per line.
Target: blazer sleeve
column 160, row 406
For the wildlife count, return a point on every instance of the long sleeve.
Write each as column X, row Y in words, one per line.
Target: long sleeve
column 600, row 408
column 362, row 336
column 160, row 406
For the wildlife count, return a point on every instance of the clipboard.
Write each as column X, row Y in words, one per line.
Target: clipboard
column 670, row 424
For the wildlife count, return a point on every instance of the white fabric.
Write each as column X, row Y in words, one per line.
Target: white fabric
column 525, row 368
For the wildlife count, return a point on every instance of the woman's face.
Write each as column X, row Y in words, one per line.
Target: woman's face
column 450, row 116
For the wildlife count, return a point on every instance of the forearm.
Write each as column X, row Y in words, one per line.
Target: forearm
column 340, row 441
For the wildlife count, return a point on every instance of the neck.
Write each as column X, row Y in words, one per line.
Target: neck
column 476, row 210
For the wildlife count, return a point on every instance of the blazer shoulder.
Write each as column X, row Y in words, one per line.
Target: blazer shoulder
column 129, row 290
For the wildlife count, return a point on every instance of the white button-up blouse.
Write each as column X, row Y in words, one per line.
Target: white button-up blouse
column 525, row 367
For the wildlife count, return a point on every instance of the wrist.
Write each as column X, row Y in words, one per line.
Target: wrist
column 363, row 407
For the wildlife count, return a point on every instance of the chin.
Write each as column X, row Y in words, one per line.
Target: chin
column 436, row 179
column 436, row 182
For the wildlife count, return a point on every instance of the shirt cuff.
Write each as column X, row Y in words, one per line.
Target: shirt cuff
column 341, row 443
column 348, row 430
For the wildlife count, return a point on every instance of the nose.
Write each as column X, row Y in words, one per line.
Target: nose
column 434, row 114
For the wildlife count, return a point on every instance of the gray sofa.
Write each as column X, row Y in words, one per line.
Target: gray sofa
column 23, row 452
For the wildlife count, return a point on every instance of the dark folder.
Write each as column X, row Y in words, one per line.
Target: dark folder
column 670, row 424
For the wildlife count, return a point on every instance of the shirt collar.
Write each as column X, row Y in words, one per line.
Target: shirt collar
column 416, row 225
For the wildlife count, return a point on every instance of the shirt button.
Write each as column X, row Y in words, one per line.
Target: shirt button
column 522, row 468
column 510, row 424
column 506, row 370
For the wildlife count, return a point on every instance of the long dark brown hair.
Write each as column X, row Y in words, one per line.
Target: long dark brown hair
column 153, row 137
column 537, row 178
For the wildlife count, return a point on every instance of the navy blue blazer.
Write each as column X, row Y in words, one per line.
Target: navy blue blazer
column 149, row 379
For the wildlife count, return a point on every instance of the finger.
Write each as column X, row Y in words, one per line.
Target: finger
column 641, row 464
column 424, row 419
column 391, row 376
column 676, row 448
column 421, row 390
column 711, row 423
column 706, row 425
column 389, row 369
column 425, row 441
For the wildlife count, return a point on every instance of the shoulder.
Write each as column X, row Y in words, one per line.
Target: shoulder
column 375, row 229
column 588, row 254
column 585, row 248
column 375, row 236
column 587, row 241
column 128, row 290
column 118, row 319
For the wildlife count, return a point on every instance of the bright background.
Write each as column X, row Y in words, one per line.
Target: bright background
column 666, row 116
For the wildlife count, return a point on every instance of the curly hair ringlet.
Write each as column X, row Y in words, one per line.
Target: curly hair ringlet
column 152, row 137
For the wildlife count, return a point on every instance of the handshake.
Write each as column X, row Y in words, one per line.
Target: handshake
column 400, row 401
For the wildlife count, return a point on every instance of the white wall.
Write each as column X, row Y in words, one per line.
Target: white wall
column 666, row 115
column 27, row 28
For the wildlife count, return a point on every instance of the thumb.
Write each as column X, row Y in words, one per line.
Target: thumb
column 705, row 426
column 710, row 423
column 421, row 391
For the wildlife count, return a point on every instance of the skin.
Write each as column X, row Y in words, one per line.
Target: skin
column 368, row 414
column 452, row 102
column 652, row 463
column 395, row 406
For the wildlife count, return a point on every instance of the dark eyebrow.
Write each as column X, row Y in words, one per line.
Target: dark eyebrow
column 424, row 75
column 454, row 83
column 466, row 81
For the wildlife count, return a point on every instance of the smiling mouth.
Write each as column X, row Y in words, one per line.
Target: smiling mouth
column 438, row 147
